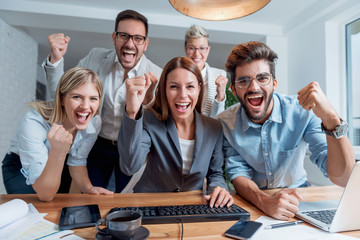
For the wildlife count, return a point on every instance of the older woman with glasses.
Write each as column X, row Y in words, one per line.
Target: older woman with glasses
column 197, row 48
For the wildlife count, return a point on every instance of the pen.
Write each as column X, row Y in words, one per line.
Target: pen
column 285, row 224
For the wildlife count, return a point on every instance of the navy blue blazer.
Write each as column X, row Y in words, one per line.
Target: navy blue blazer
column 158, row 142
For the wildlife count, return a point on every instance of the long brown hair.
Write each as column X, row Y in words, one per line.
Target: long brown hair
column 161, row 106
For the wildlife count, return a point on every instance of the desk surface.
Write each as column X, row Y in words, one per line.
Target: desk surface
column 201, row 230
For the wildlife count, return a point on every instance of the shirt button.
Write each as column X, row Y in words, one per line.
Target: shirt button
column 270, row 174
column 266, row 154
column 264, row 133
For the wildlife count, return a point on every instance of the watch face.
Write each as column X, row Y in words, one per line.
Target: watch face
column 341, row 130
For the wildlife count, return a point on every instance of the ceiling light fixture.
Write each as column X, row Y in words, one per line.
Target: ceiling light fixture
column 218, row 9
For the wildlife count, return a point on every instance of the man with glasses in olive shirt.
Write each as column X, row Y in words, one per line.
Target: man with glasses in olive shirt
column 267, row 134
column 126, row 62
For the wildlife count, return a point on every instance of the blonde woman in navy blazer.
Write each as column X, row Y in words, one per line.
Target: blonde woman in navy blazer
column 182, row 147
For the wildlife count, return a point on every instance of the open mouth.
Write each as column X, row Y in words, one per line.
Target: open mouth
column 182, row 107
column 82, row 117
column 255, row 100
column 197, row 60
column 129, row 55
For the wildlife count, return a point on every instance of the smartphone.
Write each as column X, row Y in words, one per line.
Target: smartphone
column 79, row 216
column 243, row 229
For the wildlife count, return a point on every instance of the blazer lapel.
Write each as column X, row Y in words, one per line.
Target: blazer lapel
column 199, row 137
column 172, row 131
column 104, row 71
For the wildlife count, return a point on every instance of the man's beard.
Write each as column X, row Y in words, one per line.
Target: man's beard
column 247, row 110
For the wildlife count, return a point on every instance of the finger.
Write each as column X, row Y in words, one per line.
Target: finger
column 153, row 77
column 290, row 212
column 137, row 81
column 230, row 202
column 220, row 198
column 226, row 198
column 214, row 195
column 104, row 191
column 296, row 193
column 207, row 197
column 94, row 191
column 148, row 81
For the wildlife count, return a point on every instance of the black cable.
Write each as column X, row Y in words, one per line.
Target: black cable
column 182, row 228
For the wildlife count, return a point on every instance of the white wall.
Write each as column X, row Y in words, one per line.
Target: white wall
column 18, row 61
column 316, row 52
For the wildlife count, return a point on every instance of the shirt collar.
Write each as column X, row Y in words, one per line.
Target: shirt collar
column 133, row 72
column 275, row 116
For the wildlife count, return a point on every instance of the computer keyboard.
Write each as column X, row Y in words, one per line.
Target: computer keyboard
column 325, row 216
column 187, row 213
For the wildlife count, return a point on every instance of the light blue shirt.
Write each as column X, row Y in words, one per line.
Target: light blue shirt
column 272, row 154
column 33, row 147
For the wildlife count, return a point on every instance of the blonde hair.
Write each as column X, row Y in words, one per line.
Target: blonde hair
column 161, row 105
column 52, row 111
column 196, row 31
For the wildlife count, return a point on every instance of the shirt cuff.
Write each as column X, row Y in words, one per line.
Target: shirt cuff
column 55, row 64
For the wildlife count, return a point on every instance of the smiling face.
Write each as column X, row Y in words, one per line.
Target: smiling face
column 128, row 52
column 182, row 93
column 256, row 99
column 198, row 57
column 80, row 105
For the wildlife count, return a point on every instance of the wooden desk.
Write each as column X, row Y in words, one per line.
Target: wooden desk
column 203, row 230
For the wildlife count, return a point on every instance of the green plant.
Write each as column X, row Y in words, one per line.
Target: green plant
column 231, row 99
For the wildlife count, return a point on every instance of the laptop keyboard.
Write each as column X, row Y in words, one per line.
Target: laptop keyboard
column 325, row 216
column 188, row 213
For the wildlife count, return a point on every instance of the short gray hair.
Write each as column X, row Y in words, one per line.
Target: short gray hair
column 196, row 31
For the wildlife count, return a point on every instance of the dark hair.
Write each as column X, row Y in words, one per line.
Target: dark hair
column 248, row 52
column 161, row 107
column 131, row 14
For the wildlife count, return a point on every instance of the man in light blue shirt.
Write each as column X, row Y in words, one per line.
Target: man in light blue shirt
column 267, row 134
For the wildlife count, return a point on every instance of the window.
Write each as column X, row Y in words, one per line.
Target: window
column 353, row 80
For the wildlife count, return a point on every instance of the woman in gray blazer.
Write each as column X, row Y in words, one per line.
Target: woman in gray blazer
column 181, row 146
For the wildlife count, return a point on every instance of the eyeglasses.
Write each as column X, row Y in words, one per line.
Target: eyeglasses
column 191, row 49
column 262, row 79
column 124, row 37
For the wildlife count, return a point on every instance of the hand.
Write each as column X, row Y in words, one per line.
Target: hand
column 136, row 89
column 58, row 44
column 313, row 98
column 220, row 197
column 151, row 91
column 60, row 139
column 283, row 204
column 98, row 190
column 220, row 82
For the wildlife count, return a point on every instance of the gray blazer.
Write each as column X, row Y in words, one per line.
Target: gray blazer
column 101, row 61
column 158, row 142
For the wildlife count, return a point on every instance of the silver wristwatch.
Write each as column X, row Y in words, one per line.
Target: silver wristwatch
column 339, row 131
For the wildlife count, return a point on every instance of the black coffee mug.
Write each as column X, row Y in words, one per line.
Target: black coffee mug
column 120, row 224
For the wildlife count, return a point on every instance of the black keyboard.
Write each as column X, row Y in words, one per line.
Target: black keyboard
column 188, row 213
column 325, row 216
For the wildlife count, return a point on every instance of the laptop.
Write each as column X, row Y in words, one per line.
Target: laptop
column 336, row 215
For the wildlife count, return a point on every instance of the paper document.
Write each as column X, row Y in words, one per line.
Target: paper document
column 21, row 221
column 296, row 232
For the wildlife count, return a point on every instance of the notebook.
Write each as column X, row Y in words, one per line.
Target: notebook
column 345, row 212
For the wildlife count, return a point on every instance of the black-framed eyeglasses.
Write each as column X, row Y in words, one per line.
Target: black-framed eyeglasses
column 191, row 49
column 262, row 79
column 124, row 37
